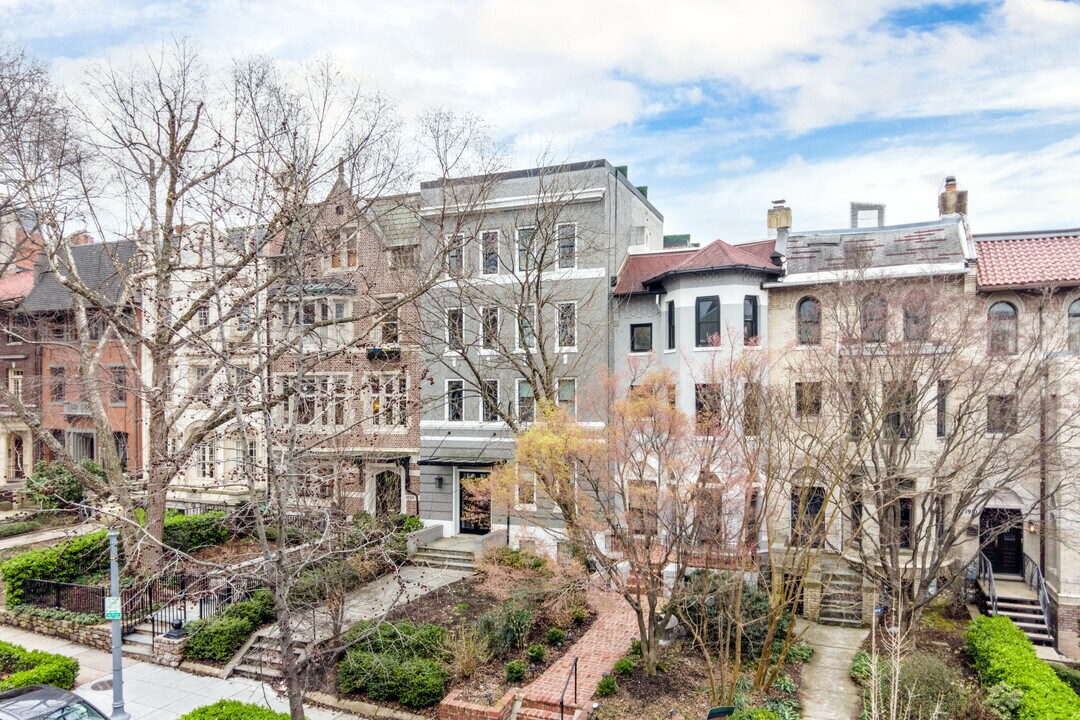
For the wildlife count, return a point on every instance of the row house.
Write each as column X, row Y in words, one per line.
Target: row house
column 520, row 316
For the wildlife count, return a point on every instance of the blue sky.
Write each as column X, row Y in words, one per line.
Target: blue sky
column 718, row 106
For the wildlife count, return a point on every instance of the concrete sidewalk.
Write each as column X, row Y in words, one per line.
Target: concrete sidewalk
column 828, row 691
column 154, row 692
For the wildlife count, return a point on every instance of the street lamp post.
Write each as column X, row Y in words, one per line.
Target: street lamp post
column 112, row 612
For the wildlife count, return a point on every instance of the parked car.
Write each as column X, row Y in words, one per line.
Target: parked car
column 45, row 702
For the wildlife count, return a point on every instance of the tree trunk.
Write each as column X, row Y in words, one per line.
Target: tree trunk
column 289, row 667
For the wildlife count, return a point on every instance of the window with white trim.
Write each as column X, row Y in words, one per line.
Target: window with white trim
column 489, row 252
column 389, row 395
column 455, row 400
column 525, row 488
column 567, row 325
column 455, row 330
column 566, row 235
column 525, row 250
column 15, row 382
column 455, row 255
column 567, row 395
column 389, row 321
column 489, row 400
column 343, row 248
column 526, row 402
column 526, row 318
column 489, row 319
column 206, row 460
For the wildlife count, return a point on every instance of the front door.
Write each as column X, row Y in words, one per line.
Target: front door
column 1000, row 535
column 475, row 504
column 387, row 494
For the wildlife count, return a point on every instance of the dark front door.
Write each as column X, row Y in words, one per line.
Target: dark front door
column 1003, row 544
column 475, row 503
column 387, row 494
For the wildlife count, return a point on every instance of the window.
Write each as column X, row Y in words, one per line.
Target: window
column 567, row 325
column 489, row 400
column 404, row 258
column 855, row 411
column 118, row 389
column 939, row 510
column 526, row 402
column 567, row 238
column 855, row 508
column 526, row 332
column 83, row 445
column 917, row 317
column 709, row 518
column 525, row 248
column 874, row 320
column 455, row 330
column 206, row 460
column 15, row 382
column 808, row 399
column 671, row 325
column 1001, row 415
column 202, row 315
column 753, row 408
column 641, row 338
column 900, row 405
column 307, row 401
column 525, row 488
column 1002, row 321
column 389, row 399
column 807, row 515
column 641, row 507
column 489, row 252
column 707, row 318
column 1074, row 327
column 490, row 321
column 120, row 439
column 243, row 317
column 455, row 400
column 898, row 516
column 706, row 410
column 567, row 397
column 455, row 255
column 388, row 325
column 942, row 408
column 808, row 321
column 200, row 385
column 750, row 319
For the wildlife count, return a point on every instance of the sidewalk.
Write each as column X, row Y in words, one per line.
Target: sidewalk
column 60, row 533
column 154, row 692
column 828, row 691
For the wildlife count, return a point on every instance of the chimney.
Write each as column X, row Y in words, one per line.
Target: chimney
column 952, row 201
column 779, row 219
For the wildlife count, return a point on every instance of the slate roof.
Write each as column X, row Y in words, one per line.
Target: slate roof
column 939, row 242
column 1029, row 259
column 642, row 273
column 101, row 266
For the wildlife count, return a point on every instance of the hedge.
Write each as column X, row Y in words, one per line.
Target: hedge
column 34, row 667
column 63, row 562
column 395, row 661
column 220, row 637
column 233, row 710
column 1001, row 652
column 19, row 527
column 87, row 554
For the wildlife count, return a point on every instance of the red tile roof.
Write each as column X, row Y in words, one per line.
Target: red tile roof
column 16, row 287
column 1029, row 260
column 640, row 269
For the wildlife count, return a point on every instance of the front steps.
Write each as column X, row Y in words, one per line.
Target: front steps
column 841, row 597
column 1028, row 616
column 456, row 553
column 262, row 659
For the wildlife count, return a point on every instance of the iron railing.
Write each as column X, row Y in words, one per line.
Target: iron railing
column 572, row 673
column 1034, row 578
column 87, row 599
column 986, row 575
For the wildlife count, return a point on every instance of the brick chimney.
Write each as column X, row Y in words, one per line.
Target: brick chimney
column 952, row 201
column 778, row 221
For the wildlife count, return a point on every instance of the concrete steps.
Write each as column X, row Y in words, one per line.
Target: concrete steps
column 438, row 557
column 841, row 600
column 1028, row 616
column 262, row 661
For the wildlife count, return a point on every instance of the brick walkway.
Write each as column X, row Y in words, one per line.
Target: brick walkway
column 605, row 642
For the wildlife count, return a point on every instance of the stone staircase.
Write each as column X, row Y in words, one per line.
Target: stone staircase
column 140, row 642
column 262, row 658
column 1015, row 600
column 447, row 553
column 841, row 596
column 540, row 710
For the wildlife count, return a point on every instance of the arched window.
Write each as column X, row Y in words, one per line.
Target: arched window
column 1002, row 327
column 1074, row 326
column 807, row 510
column 808, row 321
column 874, row 319
column 917, row 317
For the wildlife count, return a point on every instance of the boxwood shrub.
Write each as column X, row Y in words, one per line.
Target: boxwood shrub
column 33, row 667
column 220, row 637
column 233, row 710
column 1001, row 652
column 18, row 527
column 400, row 661
column 191, row 532
column 62, row 562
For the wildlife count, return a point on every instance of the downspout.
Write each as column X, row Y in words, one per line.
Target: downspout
column 404, row 462
column 1043, row 372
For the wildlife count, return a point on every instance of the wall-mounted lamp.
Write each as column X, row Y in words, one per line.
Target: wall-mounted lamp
column 438, row 481
column 1032, row 527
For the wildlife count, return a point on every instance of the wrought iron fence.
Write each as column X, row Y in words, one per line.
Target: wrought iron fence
column 86, row 599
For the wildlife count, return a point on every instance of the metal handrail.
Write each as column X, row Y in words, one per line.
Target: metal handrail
column 1034, row 578
column 986, row 571
column 562, row 698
